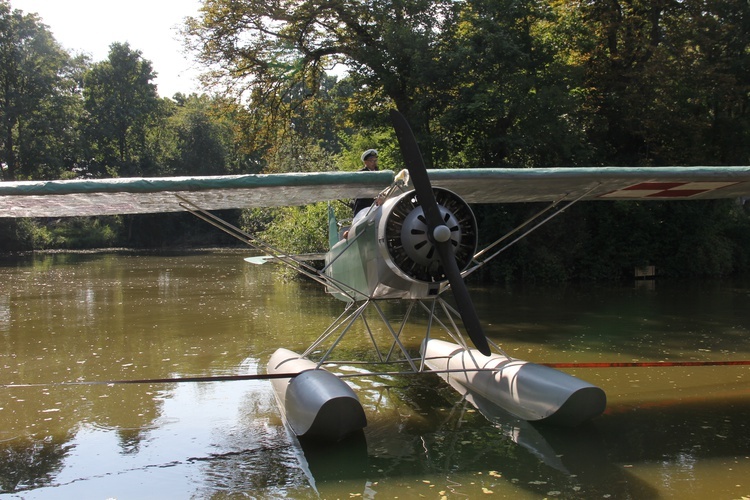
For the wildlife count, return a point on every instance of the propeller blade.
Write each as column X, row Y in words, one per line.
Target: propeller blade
column 437, row 228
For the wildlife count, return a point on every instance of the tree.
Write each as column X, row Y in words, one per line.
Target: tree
column 471, row 77
column 206, row 135
column 121, row 102
column 276, row 52
column 669, row 81
column 513, row 98
column 38, row 98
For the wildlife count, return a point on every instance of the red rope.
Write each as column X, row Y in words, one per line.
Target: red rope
column 645, row 364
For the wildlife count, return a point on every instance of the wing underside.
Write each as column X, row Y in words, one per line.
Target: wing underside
column 155, row 195
column 475, row 185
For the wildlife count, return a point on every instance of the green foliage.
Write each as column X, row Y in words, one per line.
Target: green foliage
column 277, row 60
column 296, row 229
column 120, row 103
column 23, row 234
column 37, row 98
column 74, row 233
column 300, row 229
column 85, row 232
column 204, row 138
column 294, row 153
column 389, row 155
column 605, row 241
column 666, row 80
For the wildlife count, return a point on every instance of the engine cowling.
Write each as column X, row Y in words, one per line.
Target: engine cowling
column 410, row 247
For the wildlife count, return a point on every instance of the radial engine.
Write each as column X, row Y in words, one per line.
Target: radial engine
column 397, row 231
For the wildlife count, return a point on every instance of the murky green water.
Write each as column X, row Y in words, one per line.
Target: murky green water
column 667, row 432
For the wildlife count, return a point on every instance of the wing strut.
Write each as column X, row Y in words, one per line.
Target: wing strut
column 283, row 257
column 534, row 219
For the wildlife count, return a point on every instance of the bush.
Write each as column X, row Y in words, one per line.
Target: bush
column 22, row 235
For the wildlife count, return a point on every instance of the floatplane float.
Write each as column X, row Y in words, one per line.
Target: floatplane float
column 416, row 243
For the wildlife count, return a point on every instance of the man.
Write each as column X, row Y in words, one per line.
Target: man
column 370, row 159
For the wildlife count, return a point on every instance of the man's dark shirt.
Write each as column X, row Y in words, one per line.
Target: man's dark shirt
column 361, row 203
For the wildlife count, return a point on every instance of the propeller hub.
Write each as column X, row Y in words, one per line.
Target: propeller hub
column 441, row 234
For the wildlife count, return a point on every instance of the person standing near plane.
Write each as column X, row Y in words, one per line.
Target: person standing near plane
column 370, row 160
column 361, row 205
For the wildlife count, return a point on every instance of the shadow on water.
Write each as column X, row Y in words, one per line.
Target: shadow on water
column 658, row 430
column 435, row 432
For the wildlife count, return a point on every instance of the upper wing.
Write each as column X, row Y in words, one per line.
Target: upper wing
column 154, row 195
column 603, row 183
column 490, row 185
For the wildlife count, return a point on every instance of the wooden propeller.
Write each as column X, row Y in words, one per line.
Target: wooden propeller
column 439, row 233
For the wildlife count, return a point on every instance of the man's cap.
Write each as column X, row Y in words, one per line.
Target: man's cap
column 368, row 153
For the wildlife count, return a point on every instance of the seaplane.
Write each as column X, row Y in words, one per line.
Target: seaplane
column 416, row 243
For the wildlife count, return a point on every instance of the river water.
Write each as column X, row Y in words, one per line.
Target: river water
column 677, row 432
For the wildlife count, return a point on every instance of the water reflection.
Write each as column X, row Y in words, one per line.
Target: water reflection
column 4, row 313
column 28, row 463
column 666, row 432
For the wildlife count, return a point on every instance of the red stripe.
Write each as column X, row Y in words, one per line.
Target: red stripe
column 645, row 364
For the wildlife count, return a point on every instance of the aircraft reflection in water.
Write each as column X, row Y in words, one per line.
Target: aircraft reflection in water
column 441, row 427
column 418, row 429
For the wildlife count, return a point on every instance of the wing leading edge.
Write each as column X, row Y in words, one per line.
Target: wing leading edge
column 475, row 185
column 155, row 195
